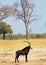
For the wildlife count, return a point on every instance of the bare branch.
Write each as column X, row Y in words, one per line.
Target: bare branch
column 5, row 11
column 18, row 13
column 33, row 20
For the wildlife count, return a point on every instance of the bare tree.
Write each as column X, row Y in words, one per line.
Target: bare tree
column 24, row 11
column 5, row 11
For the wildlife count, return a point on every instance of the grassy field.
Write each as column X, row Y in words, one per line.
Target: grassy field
column 19, row 44
column 36, row 56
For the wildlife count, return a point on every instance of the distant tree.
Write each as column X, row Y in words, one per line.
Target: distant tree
column 24, row 10
column 5, row 11
column 5, row 29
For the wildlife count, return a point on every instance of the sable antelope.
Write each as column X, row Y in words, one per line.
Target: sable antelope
column 24, row 51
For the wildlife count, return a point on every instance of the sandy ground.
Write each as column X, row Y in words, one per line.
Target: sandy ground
column 37, row 56
column 32, row 62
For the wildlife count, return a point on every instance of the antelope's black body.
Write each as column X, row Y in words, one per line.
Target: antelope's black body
column 24, row 51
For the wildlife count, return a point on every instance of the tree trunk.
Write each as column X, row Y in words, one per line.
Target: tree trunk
column 27, row 32
column 3, row 35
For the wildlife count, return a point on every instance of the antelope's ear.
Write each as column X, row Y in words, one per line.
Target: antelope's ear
column 31, row 47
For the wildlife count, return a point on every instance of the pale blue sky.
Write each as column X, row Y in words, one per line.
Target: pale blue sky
column 36, row 26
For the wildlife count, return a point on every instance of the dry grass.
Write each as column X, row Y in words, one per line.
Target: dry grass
column 37, row 56
column 18, row 44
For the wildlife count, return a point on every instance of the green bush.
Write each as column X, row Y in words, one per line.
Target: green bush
column 20, row 36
